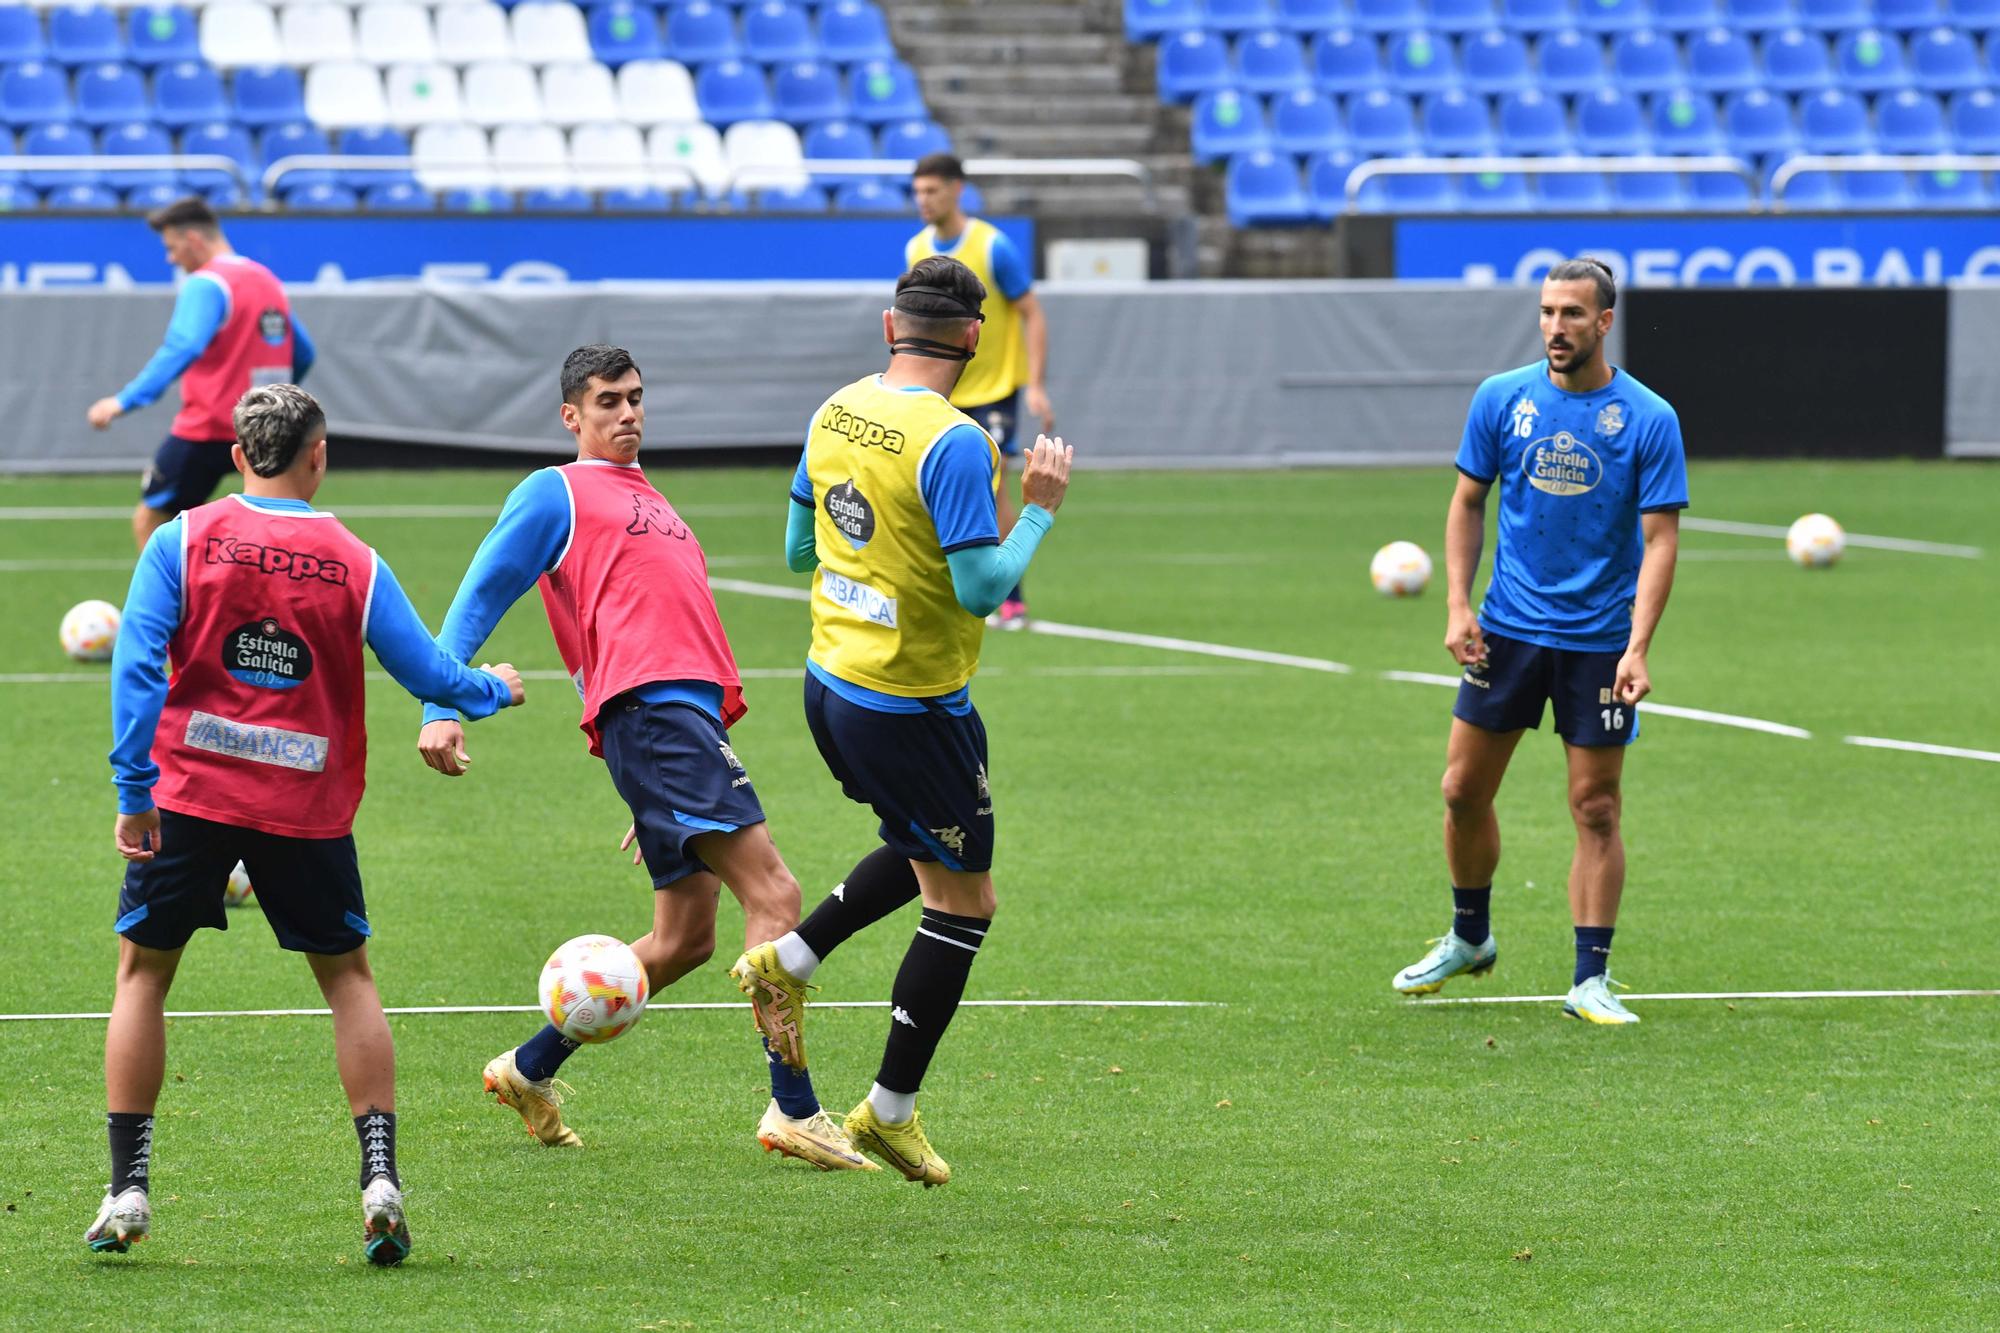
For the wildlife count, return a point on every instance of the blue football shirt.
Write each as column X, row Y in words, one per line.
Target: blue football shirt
column 1574, row 471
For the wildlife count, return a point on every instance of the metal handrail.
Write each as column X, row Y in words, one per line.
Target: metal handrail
column 1857, row 163
column 80, row 163
column 284, row 166
column 1647, row 165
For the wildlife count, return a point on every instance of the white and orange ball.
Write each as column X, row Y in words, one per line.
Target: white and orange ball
column 1400, row 569
column 594, row 988
column 89, row 630
column 237, row 891
column 1815, row 541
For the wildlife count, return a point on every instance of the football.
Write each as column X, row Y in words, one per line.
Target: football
column 593, row 988
column 1400, row 569
column 89, row 630
column 1815, row 541
column 238, row 891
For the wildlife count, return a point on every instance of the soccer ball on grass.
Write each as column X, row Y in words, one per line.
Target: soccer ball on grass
column 593, row 988
column 1400, row 569
column 89, row 630
column 1815, row 541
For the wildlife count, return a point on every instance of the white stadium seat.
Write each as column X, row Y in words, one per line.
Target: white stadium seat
column 392, row 32
column 764, row 155
column 424, row 95
column 315, row 32
column 529, row 157
column 468, row 33
column 450, row 157
column 548, row 31
column 604, row 157
column 234, row 35
column 344, row 93
column 502, row 92
column 578, row 93
column 656, row 92
column 695, row 147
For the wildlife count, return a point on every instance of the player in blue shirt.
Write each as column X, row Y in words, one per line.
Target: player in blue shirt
column 1592, row 481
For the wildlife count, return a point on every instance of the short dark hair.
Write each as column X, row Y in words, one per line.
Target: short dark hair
column 192, row 212
column 1585, row 269
column 597, row 361
column 275, row 421
column 942, row 165
column 955, row 291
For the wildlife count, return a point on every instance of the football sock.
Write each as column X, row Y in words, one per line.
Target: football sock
column 131, row 1149
column 892, row 1108
column 1017, row 595
column 926, row 995
column 541, row 1055
column 797, row 957
column 1593, row 952
column 377, row 1132
column 1469, row 920
column 880, row 884
column 791, row 1088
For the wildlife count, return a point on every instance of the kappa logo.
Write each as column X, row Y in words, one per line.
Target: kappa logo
column 729, row 756
column 1523, row 424
column 273, row 560
column 860, row 430
column 902, row 1015
column 953, row 838
column 655, row 515
column 840, row 890
column 1604, row 696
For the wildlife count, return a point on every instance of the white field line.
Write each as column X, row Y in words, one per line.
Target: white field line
column 1722, row 995
column 426, row 1009
column 1853, row 538
column 1918, row 747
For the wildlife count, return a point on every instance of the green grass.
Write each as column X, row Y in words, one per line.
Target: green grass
column 1314, row 1154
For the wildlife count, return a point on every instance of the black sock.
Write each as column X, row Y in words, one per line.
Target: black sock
column 880, row 884
column 926, row 994
column 131, row 1149
column 377, row 1132
column 1469, row 920
column 1593, row 952
column 1017, row 595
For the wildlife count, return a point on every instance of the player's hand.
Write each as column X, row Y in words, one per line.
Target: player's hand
column 631, row 836
column 138, row 836
column 1463, row 638
column 1045, row 480
column 442, row 744
column 511, row 678
column 1633, row 684
column 1039, row 407
column 105, row 411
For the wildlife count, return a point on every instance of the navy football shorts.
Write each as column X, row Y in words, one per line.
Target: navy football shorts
column 1002, row 420
column 673, row 765
column 1507, row 690
column 184, row 473
column 924, row 774
column 309, row 888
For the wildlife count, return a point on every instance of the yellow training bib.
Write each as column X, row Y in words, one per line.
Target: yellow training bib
column 1000, row 366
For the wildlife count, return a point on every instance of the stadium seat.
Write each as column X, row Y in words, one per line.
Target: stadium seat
column 1225, row 123
column 1234, row 16
column 1193, row 63
column 1907, row 15
column 852, row 32
column 623, row 31
column 1685, row 124
column 692, row 151
column 656, row 92
column 138, row 140
column 1147, row 19
column 476, row 199
column 1420, row 62
column 1495, row 192
column 1610, row 124
column 1835, row 121
column 885, row 90
column 84, row 35
column 21, row 39
column 809, row 91
column 1721, row 61
column 1754, row 16
column 1382, row 124
column 235, row 34
column 1456, row 124
column 1496, row 62
column 732, row 90
column 1263, row 188
column 1944, row 60
column 1304, row 123
column 1382, row 17
column 58, row 139
column 226, row 198
column 79, row 197
column 34, row 94
column 1429, row 193
column 340, row 93
column 577, row 93
column 1758, row 124
column 636, row 199
column 1809, row 191
column 163, row 35
column 1835, row 15
column 1719, row 192
column 1871, row 61
column 1973, row 16
column 1879, row 191
column 548, row 31
column 607, row 156
column 870, row 196
column 1271, row 63
column 775, row 32
column 1645, row 62
column 1911, row 122
column 1606, row 17
column 146, row 198
column 374, row 141
column 322, row 197
column 299, row 140
column 449, row 157
column 1532, row 124
column 1307, row 17
column 1534, row 18
column 807, row 198
column 311, row 33
column 764, row 155
column 914, row 139
column 502, row 92
column 1459, row 17
column 1326, row 182
column 699, row 32
column 217, row 138
column 1572, row 63
column 468, row 33
column 1648, row 192
column 556, row 199
column 1346, row 62
column 1975, row 122
column 837, row 141
column 398, row 197
column 1572, row 192
column 267, row 95
column 1796, row 62
column 110, row 94
column 423, row 95
column 530, row 157
column 1685, row 16
column 1965, row 190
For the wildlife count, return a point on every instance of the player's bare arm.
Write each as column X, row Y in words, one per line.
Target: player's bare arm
column 1662, row 533
column 1464, row 534
column 1035, row 334
column 1045, row 479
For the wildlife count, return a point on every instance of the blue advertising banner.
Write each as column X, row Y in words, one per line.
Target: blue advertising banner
column 41, row 252
column 1777, row 251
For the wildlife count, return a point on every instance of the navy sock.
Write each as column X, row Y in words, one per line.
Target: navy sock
column 377, row 1132
column 1469, row 920
column 1593, row 952
column 1017, row 595
column 131, row 1149
column 791, row 1088
column 541, row 1055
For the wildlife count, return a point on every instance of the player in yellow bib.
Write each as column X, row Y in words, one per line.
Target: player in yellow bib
column 895, row 505
column 1014, row 340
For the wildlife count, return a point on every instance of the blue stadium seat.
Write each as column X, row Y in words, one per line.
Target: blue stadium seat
column 217, row 139
column 871, row 196
column 163, row 35
column 322, row 197
column 1975, row 122
column 1145, row 19
column 138, row 139
column 1719, row 192
column 1421, row 62
column 1264, row 188
column 885, row 90
column 1571, row 63
column 1227, row 123
column 1907, row 15
column 78, row 197
column 1722, row 61
column 622, row 31
column 1871, row 61
column 798, row 199
column 853, row 31
column 1572, row 192
column 731, row 90
column 481, row 200
column 268, row 95
column 379, row 141
column 1456, row 124
column 1610, row 124
column 1808, row 192
column 1835, row 121
column 1536, row 17
column 1952, row 189
column 1911, row 122
column 775, row 32
column 296, row 140
column 1759, row 15
column 1758, row 124
column 1974, row 16
column 34, row 94
column 58, row 139
column 1382, row 124
column 1685, row 16
column 1532, row 124
column 1835, row 15
column 1944, row 60
column 148, row 197
column 21, row 40
column 226, row 198
column 1495, row 192
column 1346, row 62
column 15, row 196
column 1312, row 16
column 972, row 200
column 188, row 93
column 1326, row 181
column 1193, row 63
column 1645, row 62
column 1233, row 16
column 110, row 94
column 1386, row 16
column 1684, row 123
column 1648, row 192
column 914, row 139
column 1877, row 191
column 1428, row 193
column 557, row 199
column 637, row 199
column 1496, row 62
column 809, row 92
column 697, row 33
column 1459, row 17
column 834, row 141
column 84, row 35
column 1306, row 122
column 1613, row 16
column 1796, row 61
column 398, row 197
column 1271, row 63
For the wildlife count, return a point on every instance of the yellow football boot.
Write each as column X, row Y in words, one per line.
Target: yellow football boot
column 815, row 1139
column 777, row 1002
column 539, row 1104
column 901, row 1146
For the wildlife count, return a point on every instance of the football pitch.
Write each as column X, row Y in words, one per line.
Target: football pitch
column 1254, row 831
